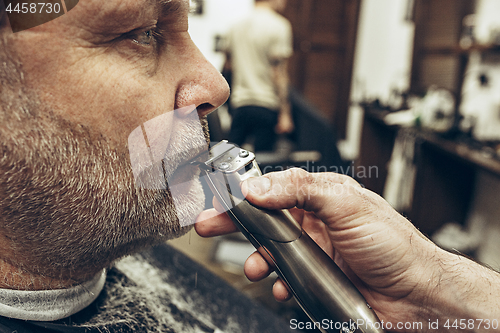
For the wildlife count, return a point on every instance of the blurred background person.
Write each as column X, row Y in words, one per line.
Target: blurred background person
column 258, row 48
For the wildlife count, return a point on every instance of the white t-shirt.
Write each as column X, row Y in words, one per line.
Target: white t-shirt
column 255, row 43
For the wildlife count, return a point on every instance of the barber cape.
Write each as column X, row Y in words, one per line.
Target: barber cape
column 160, row 290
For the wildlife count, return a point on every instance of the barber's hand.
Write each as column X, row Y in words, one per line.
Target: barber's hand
column 385, row 256
column 285, row 124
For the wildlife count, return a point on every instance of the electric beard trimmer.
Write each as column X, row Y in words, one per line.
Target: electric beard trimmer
column 323, row 291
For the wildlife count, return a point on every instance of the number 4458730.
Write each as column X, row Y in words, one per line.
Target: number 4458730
column 471, row 324
column 34, row 8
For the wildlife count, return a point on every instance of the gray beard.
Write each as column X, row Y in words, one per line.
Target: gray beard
column 69, row 205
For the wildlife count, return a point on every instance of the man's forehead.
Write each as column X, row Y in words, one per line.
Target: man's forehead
column 139, row 6
column 119, row 16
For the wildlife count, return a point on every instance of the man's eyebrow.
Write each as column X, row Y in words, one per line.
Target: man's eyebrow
column 167, row 8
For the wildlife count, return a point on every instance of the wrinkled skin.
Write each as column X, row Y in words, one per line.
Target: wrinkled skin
column 73, row 90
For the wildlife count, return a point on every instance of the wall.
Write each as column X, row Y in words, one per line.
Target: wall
column 484, row 215
column 382, row 60
column 487, row 19
column 217, row 18
column 481, row 104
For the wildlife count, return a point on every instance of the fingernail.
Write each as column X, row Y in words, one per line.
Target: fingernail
column 258, row 185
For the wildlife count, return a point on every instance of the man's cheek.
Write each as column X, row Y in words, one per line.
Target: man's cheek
column 105, row 98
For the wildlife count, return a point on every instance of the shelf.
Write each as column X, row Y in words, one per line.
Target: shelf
column 477, row 157
column 445, row 171
column 458, row 50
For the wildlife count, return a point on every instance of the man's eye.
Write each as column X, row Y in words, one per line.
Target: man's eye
column 145, row 38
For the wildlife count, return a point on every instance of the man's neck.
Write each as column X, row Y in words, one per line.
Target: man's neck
column 12, row 277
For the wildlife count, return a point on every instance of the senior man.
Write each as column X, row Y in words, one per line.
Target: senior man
column 73, row 93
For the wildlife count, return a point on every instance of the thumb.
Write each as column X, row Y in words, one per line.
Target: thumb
column 331, row 196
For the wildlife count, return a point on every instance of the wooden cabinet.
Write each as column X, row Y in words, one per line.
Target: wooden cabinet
column 445, row 171
column 444, row 183
column 321, row 67
column 437, row 59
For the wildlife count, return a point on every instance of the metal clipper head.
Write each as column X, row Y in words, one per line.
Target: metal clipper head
column 228, row 158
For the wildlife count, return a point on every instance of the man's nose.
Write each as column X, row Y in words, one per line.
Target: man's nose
column 201, row 84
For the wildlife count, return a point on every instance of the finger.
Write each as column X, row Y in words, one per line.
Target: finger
column 298, row 214
column 217, row 205
column 212, row 223
column 256, row 267
column 329, row 195
column 280, row 291
column 317, row 230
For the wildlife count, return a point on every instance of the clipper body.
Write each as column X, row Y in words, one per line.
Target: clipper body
column 323, row 291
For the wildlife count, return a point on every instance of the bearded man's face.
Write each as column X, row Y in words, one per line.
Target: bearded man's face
column 73, row 91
